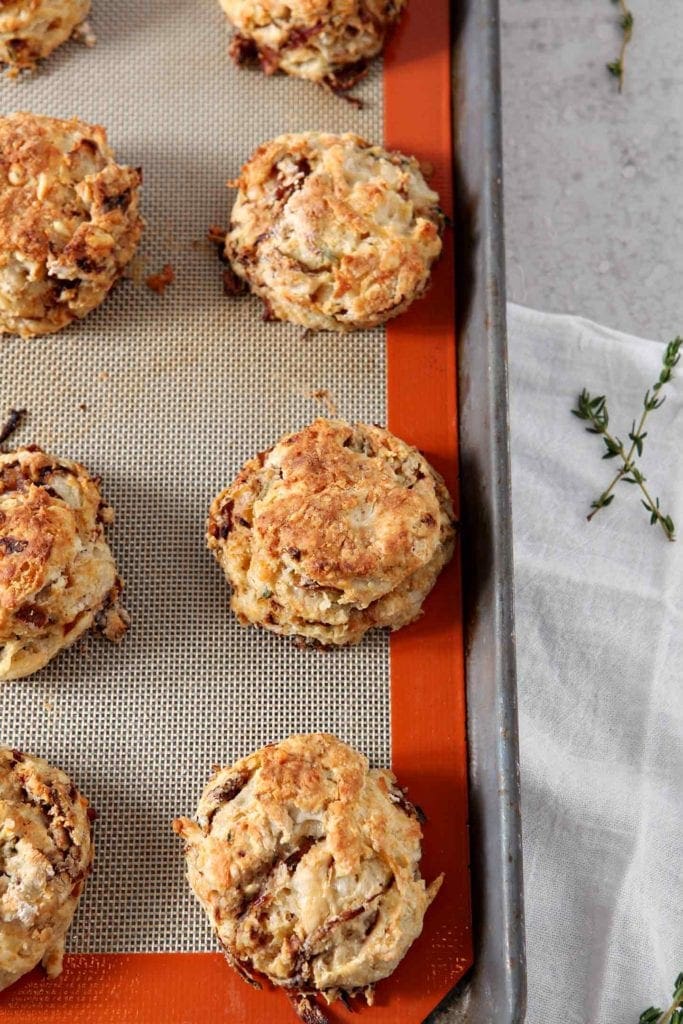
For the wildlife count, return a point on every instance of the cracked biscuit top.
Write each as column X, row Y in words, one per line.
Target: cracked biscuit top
column 326, row 41
column 69, row 221
column 332, row 232
column 57, row 573
column 336, row 530
column 45, row 856
column 307, row 864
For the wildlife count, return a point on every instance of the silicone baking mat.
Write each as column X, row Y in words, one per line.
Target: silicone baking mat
column 165, row 396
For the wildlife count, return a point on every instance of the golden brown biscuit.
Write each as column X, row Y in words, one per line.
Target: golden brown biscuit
column 307, row 865
column 57, row 574
column 45, row 856
column 332, row 232
column 32, row 29
column 69, row 221
column 336, row 530
column 328, row 41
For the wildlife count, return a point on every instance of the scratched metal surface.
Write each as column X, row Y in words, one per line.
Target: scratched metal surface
column 495, row 988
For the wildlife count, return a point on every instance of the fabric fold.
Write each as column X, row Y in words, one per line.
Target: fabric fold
column 600, row 654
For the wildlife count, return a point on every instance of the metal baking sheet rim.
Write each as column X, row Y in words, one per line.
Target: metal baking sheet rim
column 495, row 987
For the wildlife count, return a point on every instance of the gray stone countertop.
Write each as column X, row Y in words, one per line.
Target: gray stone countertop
column 593, row 196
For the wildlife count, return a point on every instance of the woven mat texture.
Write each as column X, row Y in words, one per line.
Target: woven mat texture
column 179, row 390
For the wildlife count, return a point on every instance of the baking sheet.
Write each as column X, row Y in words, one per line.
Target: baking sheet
column 173, row 387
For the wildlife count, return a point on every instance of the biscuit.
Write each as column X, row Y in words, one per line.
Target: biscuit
column 46, row 854
column 307, row 865
column 335, row 530
column 69, row 221
column 327, row 41
column 32, row 29
column 57, row 574
column 332, row 232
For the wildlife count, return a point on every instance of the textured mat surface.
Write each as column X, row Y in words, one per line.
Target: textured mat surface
column 165, row 397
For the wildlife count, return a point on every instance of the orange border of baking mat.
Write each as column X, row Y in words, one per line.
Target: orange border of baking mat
column 427, row 663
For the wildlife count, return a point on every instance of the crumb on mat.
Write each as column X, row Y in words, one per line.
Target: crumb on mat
column 323, row 395
column 159, row 282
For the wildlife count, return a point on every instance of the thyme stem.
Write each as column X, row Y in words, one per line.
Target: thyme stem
column 626, row 459
column 628, row 467
column 618, row 67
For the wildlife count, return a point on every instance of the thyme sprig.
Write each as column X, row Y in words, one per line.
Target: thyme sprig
column 594, row 410
column 674, row 1014
column 617, row 67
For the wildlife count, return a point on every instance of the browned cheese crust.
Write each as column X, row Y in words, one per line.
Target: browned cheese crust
column 326, row 41
column 332, row 232
column 336, row 530
column 45, row 856
column 69, row 221
column 307, row 865
column 57, row 574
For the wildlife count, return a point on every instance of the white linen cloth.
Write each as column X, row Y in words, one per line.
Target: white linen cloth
column 600, row 660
